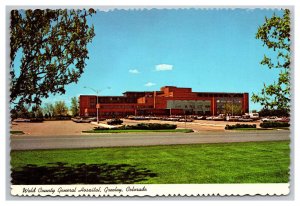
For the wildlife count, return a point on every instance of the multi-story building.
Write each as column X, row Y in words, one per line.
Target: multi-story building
column 170, row 100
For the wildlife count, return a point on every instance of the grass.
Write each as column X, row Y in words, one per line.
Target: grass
column 16, row 132
column 136, row 130
column 252, row 162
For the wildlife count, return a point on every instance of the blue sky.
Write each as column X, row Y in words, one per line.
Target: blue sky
column 143, row 50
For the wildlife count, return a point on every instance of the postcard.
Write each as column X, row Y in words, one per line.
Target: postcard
column 150, row 101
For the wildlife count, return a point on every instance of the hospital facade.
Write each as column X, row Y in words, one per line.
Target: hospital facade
column 170, row 100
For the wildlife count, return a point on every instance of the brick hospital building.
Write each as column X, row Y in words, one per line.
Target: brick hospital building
column 170, row 100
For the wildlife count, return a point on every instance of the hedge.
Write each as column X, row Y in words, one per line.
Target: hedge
column 143, row 126
column 274, row 124
column 240, row 126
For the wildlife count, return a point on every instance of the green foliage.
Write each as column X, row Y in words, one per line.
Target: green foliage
column 114, row 122
column 228, row 127
column 151, row 126
column 275, row 34
column 273, row 112
column 74, row 106
column 16, row 132
column 22, row 112
column 53, row 48
column 274, row 124
column 60, row 108
column 48, row 109
column 39, row 112
column 143, row 126
column 233, row 109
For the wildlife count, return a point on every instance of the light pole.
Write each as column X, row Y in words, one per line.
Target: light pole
column 232, row 105
column 97, row 104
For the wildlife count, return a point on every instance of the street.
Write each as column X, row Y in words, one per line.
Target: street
column 33, row 142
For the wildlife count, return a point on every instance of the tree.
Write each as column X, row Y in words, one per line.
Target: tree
column 275, row 34
column 53, row 49
column 232, row 108
column 48, row 109
column 60, row 108
column 74, row 106
column 39, row 113
column 273, row 112
column 21, row 112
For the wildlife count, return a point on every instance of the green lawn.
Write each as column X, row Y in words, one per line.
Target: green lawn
column 253, row 162
column 137, row 130
column 16, row 132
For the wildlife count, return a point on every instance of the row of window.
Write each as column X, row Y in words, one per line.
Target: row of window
column 219, row 95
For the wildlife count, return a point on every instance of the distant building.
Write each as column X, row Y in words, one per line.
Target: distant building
column 170, row 100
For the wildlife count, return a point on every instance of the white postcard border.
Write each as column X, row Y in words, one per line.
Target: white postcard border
column 271, row 189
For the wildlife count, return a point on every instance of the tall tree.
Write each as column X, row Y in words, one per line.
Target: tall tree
column 38, row 112
column 51, row 46
column 74, row 106
column 48, row 109
column 60, row 108
column 232, row 108
column 275, row 34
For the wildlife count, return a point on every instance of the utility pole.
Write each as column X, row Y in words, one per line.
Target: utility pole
column 97, row 103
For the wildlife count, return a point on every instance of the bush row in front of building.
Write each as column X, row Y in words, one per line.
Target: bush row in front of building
column 274, row 124
column 236, row 126
column 143, row 126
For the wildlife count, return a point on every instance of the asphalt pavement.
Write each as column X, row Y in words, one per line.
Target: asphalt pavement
column 34, row 142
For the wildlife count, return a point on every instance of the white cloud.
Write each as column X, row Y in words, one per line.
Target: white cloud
column 150, row 84
column 134, row 71
column 163, row 67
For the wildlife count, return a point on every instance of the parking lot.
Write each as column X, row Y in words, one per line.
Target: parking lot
column 69, row 127
column 196, row 125
column 66, row 127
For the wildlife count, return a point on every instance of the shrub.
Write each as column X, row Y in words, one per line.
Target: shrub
column 274, row 124
column 228, row 127
column 100, row 128
column 151, row 126
column 142, row 126
column 114, row 122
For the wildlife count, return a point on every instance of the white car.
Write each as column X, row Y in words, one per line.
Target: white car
column 233, row 118
column 271, row 119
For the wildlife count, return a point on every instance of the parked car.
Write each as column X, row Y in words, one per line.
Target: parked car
column 285, row 119
column 271, row 119
column 233, row 118
column 21, row 120
column 242, row 119
column 185, row 120
column 253, row 115
column 80, row 120
column 220, row 117
column 201, row 117
column 245, row 118
column 209, row 118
